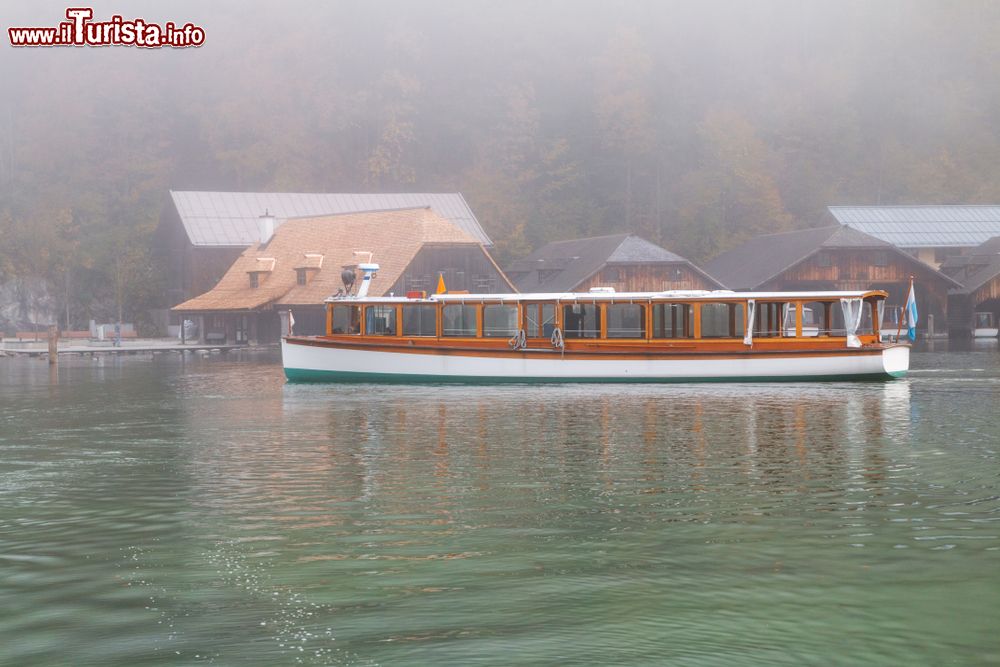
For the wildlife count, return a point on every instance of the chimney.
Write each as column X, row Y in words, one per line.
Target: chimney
column 265, row 227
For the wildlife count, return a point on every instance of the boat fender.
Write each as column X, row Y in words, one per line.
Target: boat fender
column 557, row 339
column 519, row 341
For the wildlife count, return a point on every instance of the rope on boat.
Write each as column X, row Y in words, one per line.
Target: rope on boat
column 557, row 339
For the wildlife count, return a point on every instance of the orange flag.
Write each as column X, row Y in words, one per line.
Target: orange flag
column 441, row 289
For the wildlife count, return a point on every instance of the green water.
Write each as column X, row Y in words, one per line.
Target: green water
column 165, row 512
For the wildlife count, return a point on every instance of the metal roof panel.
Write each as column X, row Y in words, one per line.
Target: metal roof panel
column 923, row 226
column 230, row 218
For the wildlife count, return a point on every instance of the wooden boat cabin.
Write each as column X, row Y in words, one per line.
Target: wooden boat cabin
column 607, row 321
column 599, row 336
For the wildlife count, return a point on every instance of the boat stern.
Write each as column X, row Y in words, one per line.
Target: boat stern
column 896, row 360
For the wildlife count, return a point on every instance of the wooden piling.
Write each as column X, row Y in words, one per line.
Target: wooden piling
column 53, row 345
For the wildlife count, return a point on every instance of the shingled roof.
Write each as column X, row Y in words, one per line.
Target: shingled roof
column 977, row 268
column 323, row 245
column 762, row 258
column 230, row 218
column 562, row 265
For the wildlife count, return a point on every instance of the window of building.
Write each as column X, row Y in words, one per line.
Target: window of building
column 545, row 275
column 941, row 254
column 458, row 320
column 254, row 280
column 380, row 320
column 722, row 320
column 420, row 320
column 612, row 274
column 581, row 320
column 673, row 320
column 300, row 276
column 484, row 284
column 824, row 259
column 626, row 320
column 499, row 321
column 345, row 320
column 881, row 258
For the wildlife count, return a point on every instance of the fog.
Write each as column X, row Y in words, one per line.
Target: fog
column 693, row 124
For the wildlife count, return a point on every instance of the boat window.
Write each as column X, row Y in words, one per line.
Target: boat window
column 673, row 320
column 499, row 321
column 837, row 327
column 815, row 319
column 771, row 318
column 722, row 320
column 626, row 320
column 788, row 315
column 581, row 320
column 458, row 320
column 420, row 320
column 380, row 320
column 532, row 320
column 345, row 320
column 867, row 326
column 539, row 319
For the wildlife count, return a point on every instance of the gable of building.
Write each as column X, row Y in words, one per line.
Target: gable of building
column 762, row 259
column 976, row 269
column 562, row 266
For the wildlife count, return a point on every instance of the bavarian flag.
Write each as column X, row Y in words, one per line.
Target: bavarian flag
column 911, row 314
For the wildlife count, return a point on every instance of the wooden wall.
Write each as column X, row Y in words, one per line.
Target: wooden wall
column 858, row 270
column 465, row 267
column 191, row 270
column 988, row 292
column 647, row 278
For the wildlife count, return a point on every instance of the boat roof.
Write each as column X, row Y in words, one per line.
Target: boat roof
column 686, row 295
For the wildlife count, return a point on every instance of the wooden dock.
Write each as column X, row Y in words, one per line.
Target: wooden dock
column 102, row 350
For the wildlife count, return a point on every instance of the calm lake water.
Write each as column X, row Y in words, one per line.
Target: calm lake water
column 159, row 511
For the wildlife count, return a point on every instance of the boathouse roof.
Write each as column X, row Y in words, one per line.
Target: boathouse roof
column 978, row 267
column 228, row 219
column 763, row 258
column 564, row 265
column 322, row 246
column 956, row 226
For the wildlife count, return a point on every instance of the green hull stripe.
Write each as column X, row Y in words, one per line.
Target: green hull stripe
column 309, row 375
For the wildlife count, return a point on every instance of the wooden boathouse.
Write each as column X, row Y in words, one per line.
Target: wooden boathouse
column 836, row 257
column 296, row 265
column 201, row 234
column 979, row 296
column 624, row 262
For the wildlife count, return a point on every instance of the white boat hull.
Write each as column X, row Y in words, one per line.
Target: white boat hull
column 315, row 362
column 985, row 332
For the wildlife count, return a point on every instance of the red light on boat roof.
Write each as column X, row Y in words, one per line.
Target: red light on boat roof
column 416, row 294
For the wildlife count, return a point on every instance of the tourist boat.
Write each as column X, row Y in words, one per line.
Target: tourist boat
column 598, row 336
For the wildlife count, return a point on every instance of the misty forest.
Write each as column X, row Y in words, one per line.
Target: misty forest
column 693, row 124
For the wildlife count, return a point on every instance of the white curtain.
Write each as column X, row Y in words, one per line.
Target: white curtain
column 880, row 306
column 751, row 313
column 786, row 309
column 852, row 320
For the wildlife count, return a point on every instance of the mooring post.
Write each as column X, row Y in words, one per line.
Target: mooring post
column 53, row 344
